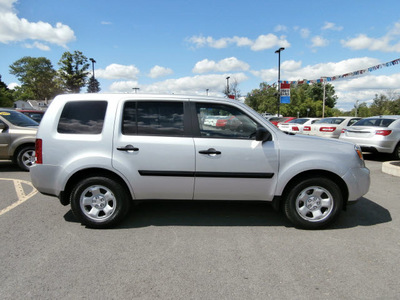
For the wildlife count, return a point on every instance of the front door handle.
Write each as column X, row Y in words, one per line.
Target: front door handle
column 128, row 148
column 210, row 151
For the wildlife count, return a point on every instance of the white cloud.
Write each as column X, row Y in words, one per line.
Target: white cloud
column 319, row 41
column 13, row 85
column 280, row 28
column 158, row 71
column 124, row 86
column 116, row 71
column 332, row 26
column 224, row 65
column 15, row 29
column 185, row 85
column 304, row 33
column 386, row 43
column 105, row 23
column 37, row 45
column 261, row 43
column 269, row 41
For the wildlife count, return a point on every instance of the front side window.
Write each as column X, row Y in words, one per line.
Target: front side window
column 153, row 118
column 84, row 117
column 224, row 121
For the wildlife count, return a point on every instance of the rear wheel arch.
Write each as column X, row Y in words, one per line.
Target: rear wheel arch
column 86, row 173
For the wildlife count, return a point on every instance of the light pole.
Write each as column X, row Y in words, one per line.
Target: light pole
column 279, row 77
column 324, row 96
column 93, row 62
column 227, row 86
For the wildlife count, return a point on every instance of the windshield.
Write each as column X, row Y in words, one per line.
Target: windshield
column 379, row 122
column 18, row 119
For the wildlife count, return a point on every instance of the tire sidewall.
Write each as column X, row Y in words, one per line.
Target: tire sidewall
column 120, row 194
column 20, row 155
column 290, row 203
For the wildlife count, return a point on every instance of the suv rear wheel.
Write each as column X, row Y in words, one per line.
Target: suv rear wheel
column 313, row 203
column 99, row 202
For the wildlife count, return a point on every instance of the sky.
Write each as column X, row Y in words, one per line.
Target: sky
column 189, row 47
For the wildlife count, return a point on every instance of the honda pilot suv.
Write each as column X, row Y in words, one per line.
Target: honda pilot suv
column 98, row 152
column 17, row 138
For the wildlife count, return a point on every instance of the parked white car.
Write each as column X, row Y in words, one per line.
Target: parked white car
column 296, row 125
column 329, row 127
column 98, row 152
column 379, row 134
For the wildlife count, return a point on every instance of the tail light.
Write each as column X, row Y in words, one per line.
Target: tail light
column 327, row 129
column 295, row 128
column 38, row 151
column 307, row 128
column 383, row 132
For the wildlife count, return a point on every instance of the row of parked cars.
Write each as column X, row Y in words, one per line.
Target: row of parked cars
column 378, row 134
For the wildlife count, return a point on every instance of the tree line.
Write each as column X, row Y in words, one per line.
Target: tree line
column 40, row 81
column 306, row 100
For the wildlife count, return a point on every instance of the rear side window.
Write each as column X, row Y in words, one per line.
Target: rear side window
column 153, row 118
column 84, row 117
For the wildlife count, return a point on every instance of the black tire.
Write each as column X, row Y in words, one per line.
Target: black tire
column 313, row 203
column 396, row 152
column 25, row 158
column 99, row 202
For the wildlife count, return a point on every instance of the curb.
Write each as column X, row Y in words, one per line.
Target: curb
column 391, row 167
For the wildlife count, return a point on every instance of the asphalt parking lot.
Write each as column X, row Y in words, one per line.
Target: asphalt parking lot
column 201, row 250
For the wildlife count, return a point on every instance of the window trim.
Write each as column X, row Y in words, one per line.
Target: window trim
column 196, row 127
column 187, row 123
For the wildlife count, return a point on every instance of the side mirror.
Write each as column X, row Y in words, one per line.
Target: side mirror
column 263, row 135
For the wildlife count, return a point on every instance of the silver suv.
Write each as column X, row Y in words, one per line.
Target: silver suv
column 17, row 138
column 98, row 152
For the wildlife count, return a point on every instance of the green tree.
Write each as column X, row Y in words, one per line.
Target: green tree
column 93, row 85
column 264, row 99
column 381, row 105
column 73, row 71
column 6, row 95
column 37, row 77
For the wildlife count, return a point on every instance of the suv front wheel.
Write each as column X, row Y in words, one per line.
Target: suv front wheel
column 99, row 202
column 313, row 203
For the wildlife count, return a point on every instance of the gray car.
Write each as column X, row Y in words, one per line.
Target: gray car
column 375, row 134
column 17, row 138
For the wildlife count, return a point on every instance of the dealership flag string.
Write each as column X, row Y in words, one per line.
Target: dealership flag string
column 351, row 74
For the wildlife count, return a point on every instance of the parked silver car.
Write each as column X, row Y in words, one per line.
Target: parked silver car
column 296, row 125
column 98, row 152
column 329, row 127
column 375, row 134
column 17, row 138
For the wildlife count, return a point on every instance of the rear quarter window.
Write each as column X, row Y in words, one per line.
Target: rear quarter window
column 84, row 117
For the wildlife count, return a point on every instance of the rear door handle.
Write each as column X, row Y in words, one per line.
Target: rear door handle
column 128, row 148
column 210, row 151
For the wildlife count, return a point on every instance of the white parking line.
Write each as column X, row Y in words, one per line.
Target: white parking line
column 22, row 197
